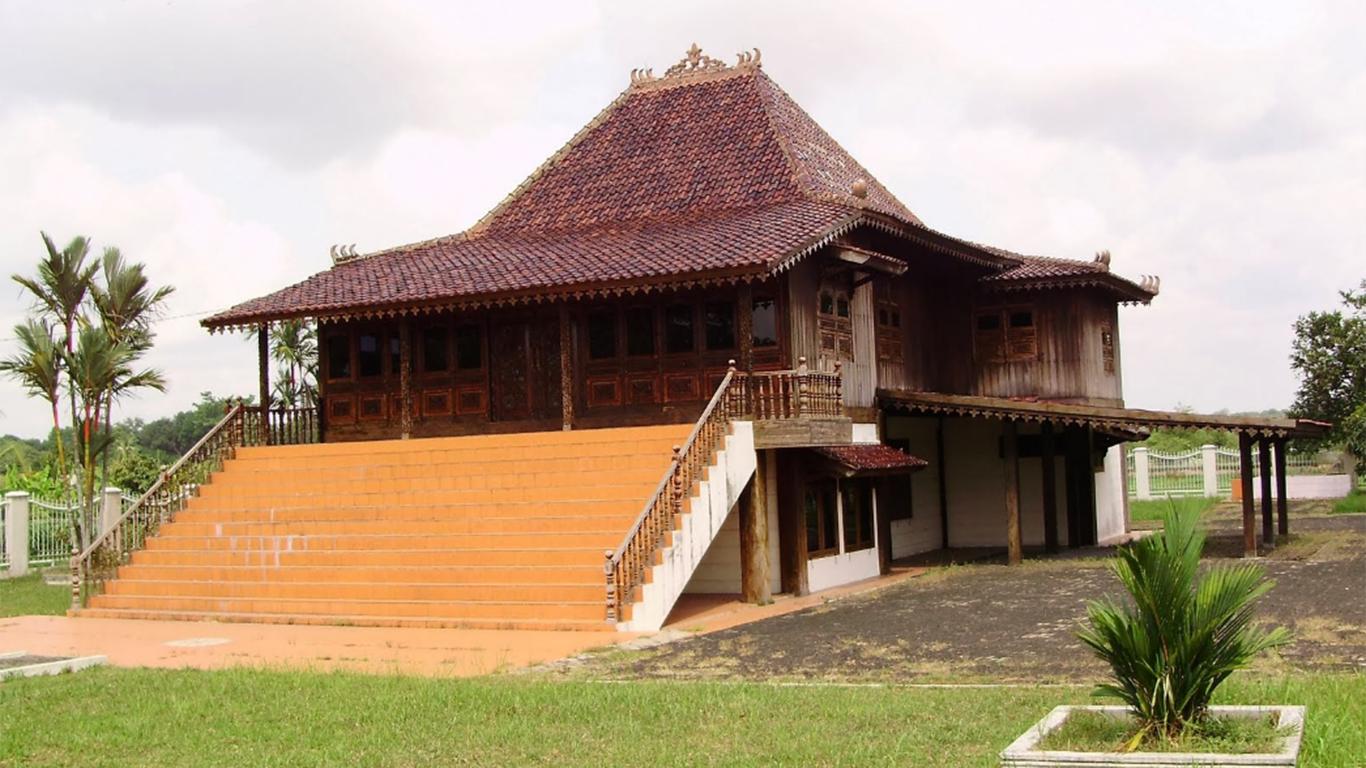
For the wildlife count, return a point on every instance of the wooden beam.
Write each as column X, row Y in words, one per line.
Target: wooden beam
column 405, row 377
column 1282, row 504
column 1014, row 545
column 754, row 574
column 1249, row 515
column 1048, row 456
column 263, row 361
column 1264, row 464
column 566, row 370
column 943, row 484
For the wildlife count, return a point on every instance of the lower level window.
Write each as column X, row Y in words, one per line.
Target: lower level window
column 857, row 513
column 821, row 508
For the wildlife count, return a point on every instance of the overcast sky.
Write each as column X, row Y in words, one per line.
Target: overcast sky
column 228, row 144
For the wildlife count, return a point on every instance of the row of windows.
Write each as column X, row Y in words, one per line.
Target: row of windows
column 435, row 352
column 633, row 330
column 1005, row 334
column 830, row 505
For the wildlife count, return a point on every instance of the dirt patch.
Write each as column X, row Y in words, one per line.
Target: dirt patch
column 988, row 621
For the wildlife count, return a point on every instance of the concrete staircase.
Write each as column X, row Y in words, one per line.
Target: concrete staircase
column 490, row 531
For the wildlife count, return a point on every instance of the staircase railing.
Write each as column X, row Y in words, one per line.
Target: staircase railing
column 763, row 396
column 168, row 495
column 281, row 426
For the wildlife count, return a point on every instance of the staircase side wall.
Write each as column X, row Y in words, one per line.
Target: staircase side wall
column 703, row 519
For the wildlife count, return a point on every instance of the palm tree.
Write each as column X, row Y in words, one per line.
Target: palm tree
column 127, row 305
column 38, row 368
column 61, row 287
column 294, row 348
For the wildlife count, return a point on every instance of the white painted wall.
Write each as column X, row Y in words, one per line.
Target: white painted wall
column 921, row 532
column 1112, row 502
column 703, row 518
column 719, row 571
column 864, row 433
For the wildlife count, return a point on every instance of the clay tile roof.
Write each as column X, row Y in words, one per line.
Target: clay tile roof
column 871, row 457
column 1045, row 272
column 715, row 173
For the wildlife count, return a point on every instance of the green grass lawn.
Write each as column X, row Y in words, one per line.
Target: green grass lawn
column 28, row 595
column 1153, row 509
column 1353, row 503
column 119, row 717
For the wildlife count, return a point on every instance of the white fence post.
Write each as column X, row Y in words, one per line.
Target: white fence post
column 1141, row 477
column 113, row 507
column 16, row 532
column 1209, row 462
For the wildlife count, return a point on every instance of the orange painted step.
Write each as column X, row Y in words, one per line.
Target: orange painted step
column 403, row 574
column 407, row 527
column 339, row 557
column 585, row 625
column 469, row 593
column 586, row 509
column 382, row 542
column 543, row 611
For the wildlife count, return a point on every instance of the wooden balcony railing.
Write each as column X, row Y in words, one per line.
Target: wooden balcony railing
column 767, row 395
column 281, row 426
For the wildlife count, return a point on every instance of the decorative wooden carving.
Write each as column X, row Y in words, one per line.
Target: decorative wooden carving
column 642, row 389
column 471, row 400
column 603, row 390
column 680, row 387
column 436, row 402
column 372, row 407
column 696, row 64
column 341, row 409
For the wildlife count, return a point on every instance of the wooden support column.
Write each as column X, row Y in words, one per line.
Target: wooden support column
column 745, row 327
column 1264, row 465
column 405, row 378
column 263, row 360
column 943, row 484
column 1249, row 515
column 566, row 369
column 754, row 574
column 1048, row 457
column 1014, row 544
column 1282, row 504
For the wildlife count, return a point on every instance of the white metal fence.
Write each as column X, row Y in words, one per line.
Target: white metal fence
column 47, row 527
column 1209, row 471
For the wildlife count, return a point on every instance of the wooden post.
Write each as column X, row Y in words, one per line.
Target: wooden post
column 754, row 575
column 405, row 377
column 566, row 370
column 1048, row 457
column 1245, row 468
column 791, row 523
column 1014, row 545
column 1264, row 464
column 943, row 484
column 1282, row 505
column 745, row 327
column 263, row 360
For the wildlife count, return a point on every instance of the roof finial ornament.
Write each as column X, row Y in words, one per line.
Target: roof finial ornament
column 694, row 61
column 859, row 189
column 694, row 65
column 1103, row 260
column 343, row 253
column 749, row 59
column 1151, row 283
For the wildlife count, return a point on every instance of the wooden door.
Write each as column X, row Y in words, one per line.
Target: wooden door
column 510, row 370
column 544, row 379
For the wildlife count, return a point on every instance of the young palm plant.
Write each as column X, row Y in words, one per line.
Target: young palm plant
column 1184, row 633
column 38, row 368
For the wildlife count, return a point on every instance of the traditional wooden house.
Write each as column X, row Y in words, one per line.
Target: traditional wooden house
column 701, row 348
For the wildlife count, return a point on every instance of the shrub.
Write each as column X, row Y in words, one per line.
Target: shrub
column 1183, row 635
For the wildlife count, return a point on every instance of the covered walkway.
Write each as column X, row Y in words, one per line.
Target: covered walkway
column 1103, row 426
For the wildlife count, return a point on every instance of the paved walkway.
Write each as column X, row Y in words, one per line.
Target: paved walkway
column 434, row 652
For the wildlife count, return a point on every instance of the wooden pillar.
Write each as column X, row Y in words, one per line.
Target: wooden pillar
column 1245, row 468
column 1048, row 457
column 1264, row 465
column 1014, row 545
column 754, row 575
column 791, row 524
column 745, row 327
column 943, row 484
column 263, row 361
column 566, row 369
column 405, row 377
column 1282, row 504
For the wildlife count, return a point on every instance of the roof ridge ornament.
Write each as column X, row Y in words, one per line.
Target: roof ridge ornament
column 1103, row 260
column 695, row 65
column 341, row 254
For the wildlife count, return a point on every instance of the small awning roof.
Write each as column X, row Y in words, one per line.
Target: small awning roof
column 871, row 458
column 1097, row 417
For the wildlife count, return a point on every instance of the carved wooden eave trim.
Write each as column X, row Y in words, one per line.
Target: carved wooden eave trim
column 1129, row 292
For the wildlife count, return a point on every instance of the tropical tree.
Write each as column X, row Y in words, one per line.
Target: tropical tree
column 1183, row 634
column 294, row 348
column 1329, row 354
column 38, row 369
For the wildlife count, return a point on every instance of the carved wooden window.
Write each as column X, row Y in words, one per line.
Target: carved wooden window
column 370, row 360
column 395, row 355
column 469, row 348
column 338, row 356
column 833, row 326
column 679, row 334
column 764, row 323
column 435, row 353
column 602, row 335
column 1005, row 334
column 640, row 331
column 820, row 508
column 889, row 331
column 718, row 319
column 856, row 513
column 1107, row 348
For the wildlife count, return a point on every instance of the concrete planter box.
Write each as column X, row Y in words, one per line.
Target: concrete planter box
column 1024, row 752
